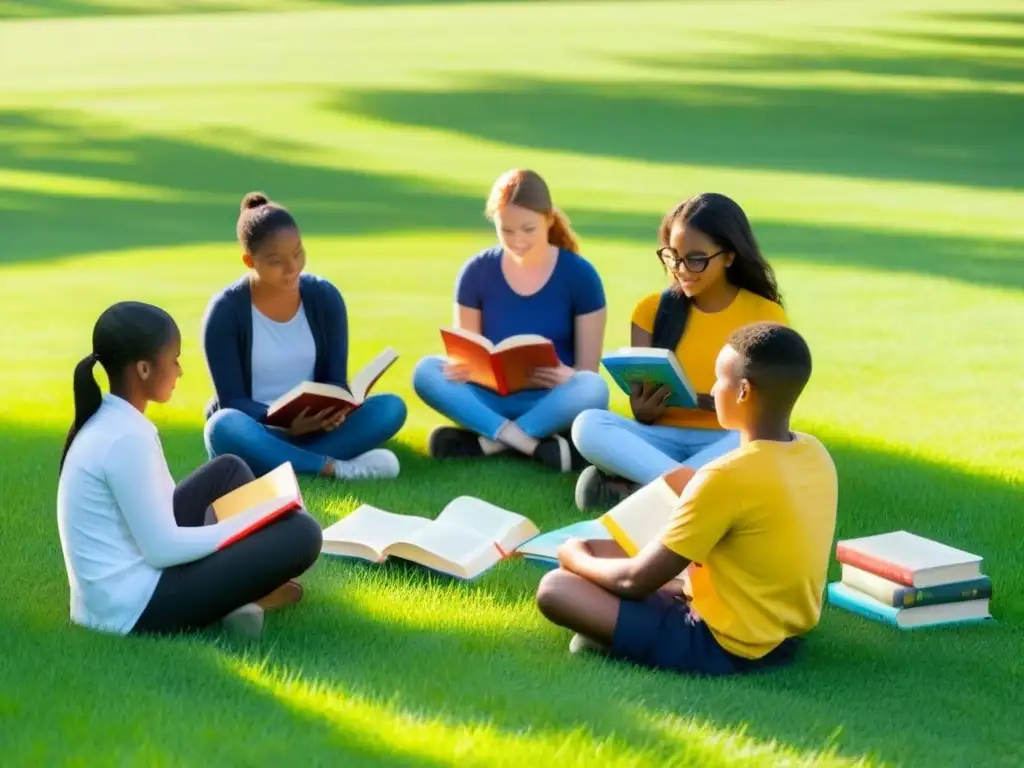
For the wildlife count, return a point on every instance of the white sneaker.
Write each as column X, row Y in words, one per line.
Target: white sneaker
column 246, row 621
column 380, row 463
column 581, row 643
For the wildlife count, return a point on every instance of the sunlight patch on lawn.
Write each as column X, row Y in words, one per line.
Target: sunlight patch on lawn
column 379, row 722
column 68, row 185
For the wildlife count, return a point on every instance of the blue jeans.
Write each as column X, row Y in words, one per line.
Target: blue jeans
column 642, row 452
column 262, row 448
column 537, row 412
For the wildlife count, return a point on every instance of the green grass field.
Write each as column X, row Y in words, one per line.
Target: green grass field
column 876, row 147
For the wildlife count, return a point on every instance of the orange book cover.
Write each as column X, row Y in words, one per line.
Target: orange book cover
column 504, row 367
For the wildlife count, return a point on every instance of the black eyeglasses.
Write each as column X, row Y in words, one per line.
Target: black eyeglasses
column 670, row 257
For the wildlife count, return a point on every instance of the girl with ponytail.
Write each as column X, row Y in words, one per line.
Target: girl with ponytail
column 532, row 282
column 718, row 282
column 143, row 555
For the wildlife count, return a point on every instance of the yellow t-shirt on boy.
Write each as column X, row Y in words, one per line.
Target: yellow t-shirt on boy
column 703, row 338
column 760, row 523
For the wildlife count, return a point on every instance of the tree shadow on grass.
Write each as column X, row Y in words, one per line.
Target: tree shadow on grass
column 133, row 190
column 968, row 139
column 862, row 689
column 91, row 188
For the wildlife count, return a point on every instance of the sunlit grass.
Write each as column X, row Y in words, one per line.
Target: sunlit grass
column 875, row 147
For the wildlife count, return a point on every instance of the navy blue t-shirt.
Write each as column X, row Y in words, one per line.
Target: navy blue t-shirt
column 574, row 288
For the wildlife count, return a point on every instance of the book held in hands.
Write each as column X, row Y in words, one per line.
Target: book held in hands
column 467, row 538
column 317, row 396
column 267, row 498
column 908, row 581
column 504, row 367
column 658, row 367
column 640, row 517
column 543, row 548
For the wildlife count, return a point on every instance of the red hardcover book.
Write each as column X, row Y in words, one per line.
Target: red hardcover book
column 874, row 565
column 909, row 559
column 504, row 367
column 317, row 397
column 273, row 495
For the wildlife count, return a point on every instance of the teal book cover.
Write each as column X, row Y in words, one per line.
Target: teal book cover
column 842, row 596
column 656, row 366
column 543, row 549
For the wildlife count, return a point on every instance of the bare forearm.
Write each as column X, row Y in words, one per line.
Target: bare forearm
column 614, row 574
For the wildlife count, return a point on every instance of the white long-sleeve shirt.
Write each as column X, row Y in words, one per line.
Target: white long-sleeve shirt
column 115, row 514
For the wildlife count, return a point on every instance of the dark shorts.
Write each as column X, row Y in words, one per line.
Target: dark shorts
column 661, row 632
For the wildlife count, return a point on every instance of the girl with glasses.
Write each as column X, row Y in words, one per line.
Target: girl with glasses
column 719, row 281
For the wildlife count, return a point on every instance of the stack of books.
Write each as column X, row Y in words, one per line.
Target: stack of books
column 909, row 581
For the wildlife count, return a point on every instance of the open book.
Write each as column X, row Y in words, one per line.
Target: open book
column 504, row 367
column 317, row 396
column 467, row 538
column 659, row 367
column 274, row 494
column 640, row 517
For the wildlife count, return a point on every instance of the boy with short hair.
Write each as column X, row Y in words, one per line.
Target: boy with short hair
column 757, row 525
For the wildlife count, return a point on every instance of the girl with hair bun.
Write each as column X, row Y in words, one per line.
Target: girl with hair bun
column 273, row 329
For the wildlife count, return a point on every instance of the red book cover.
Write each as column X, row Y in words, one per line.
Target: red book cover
column 874, row 565
column 318, row 397
column 266, row 498
column 503, row 368
column 261, row 523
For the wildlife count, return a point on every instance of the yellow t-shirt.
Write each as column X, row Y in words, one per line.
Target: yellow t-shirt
column 703, row 338
column 760, row 521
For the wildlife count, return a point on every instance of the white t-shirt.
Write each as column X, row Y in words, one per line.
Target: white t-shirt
column 115, row 515
column 283, row 355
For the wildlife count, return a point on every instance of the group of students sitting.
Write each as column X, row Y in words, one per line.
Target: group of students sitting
column 756, row 515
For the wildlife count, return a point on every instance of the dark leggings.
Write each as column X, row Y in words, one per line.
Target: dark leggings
column 194, row 595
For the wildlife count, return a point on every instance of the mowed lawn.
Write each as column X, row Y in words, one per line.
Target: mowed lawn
column 877, row 148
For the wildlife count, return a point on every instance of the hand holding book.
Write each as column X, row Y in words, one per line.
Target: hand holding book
column 550, row 378
column 326, row 420
column 455, row 371
column 647, row 401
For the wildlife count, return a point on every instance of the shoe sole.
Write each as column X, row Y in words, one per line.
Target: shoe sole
column 288, row 593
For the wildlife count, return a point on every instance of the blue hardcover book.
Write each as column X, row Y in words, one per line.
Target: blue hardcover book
column 654, row 366
column 942, row 614
column 543, row 549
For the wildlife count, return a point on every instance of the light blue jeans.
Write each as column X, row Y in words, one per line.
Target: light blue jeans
column 262, row 448
column 642, row 452
column 538, row 412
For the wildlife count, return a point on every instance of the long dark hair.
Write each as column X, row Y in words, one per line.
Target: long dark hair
column 124, row 334
column 724, row 222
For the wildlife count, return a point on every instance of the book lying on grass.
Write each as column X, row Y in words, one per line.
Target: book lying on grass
column 658, row 367
column 640, row 517
column 941, row 614
column 504, row 367
column 467, row 538
column 317, row 396
column 543, row 549
column 273, row 495
column 908, row 559
column 898, row 595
